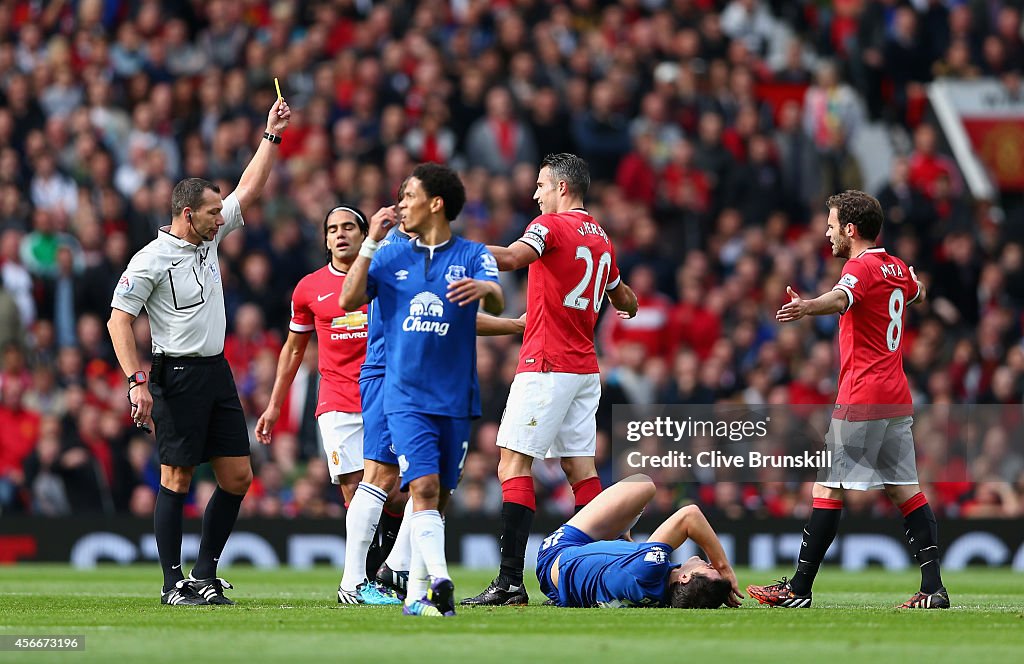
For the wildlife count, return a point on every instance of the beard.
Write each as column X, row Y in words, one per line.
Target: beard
column 842, row 247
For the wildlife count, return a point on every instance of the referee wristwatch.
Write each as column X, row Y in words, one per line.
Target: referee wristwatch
column 273, row 138
column 137, row 378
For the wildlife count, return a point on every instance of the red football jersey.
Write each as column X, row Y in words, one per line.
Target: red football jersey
column 341, row 338
column 565, row 291
column 872, row 383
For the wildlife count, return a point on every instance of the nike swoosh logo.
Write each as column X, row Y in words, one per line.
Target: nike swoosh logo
column 321, row 298
column 175, row 566
column 176, row 264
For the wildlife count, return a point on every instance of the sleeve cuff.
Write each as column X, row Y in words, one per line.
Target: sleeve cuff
column 533, row 244
column 849, row 297
column 916, row 295
column 295, row 327
column 612, row 285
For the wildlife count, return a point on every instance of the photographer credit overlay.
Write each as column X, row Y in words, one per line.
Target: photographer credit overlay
column 841, row 447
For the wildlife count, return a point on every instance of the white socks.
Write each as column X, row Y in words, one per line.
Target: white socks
column 360, row 525
column 427, row 552
column 401, row 553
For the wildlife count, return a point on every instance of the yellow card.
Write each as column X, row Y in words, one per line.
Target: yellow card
column 277, row 86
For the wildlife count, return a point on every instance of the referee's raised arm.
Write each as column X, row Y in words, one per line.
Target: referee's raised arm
column 250, row 186
column 189, row 393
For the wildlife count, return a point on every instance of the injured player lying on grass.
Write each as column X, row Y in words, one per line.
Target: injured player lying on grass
column 582, row 564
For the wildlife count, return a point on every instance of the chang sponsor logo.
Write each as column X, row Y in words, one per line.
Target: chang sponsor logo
column 423, row 307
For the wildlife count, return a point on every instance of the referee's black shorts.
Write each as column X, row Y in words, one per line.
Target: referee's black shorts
column 196, row 412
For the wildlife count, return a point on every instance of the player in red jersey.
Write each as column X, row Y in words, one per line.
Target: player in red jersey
column 553, row 401
column 870, row 436
column 341, row 337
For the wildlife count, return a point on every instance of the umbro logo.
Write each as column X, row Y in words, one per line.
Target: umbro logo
column 402, row 275
column 321, row 298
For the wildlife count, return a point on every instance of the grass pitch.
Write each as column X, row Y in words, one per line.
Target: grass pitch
column 293, row 616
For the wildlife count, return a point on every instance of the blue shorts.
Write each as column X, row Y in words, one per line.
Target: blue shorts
column 566, row 537
column 377, row 445
column 430, row 445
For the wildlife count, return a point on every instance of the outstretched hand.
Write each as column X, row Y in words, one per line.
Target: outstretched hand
column 795, row 309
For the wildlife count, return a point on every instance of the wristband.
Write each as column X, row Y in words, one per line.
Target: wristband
column 273, row 138
column 368, row 249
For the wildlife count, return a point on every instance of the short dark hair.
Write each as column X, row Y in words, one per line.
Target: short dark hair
column 189, row 193
column 700, row 592
column 860, row 209
column 438, row 180
column 570, row 168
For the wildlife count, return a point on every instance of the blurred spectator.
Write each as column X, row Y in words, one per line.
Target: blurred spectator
column 499, row 140
column 709, row 162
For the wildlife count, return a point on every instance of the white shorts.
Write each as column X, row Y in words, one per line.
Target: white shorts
column 342, row 436
column 551, row 415
column 868, row 454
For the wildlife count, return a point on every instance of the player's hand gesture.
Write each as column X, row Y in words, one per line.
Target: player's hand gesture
column 794, row 310
column 277, row 119
column 265, row 425
column 735, row 596
column 465, row 291
column 382, row 221
column 922, row 292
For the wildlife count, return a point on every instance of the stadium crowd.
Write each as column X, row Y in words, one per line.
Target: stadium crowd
column 714, row 132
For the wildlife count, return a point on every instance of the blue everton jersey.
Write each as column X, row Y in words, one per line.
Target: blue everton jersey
column 373, row 366
column 615, row 574
column 431, row 342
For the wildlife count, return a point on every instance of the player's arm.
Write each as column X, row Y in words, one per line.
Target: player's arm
column 624, row 300
column 123, row 337
column 354, row 293
column 288, row 363
column 465, row 291
column 922, row 292
column 250, row 186
column 690, row 523
column 833, row 302
column 517, row 255
column 481, row 284
column 494, row 326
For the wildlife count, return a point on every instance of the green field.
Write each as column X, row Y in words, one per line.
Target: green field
column 291, row 616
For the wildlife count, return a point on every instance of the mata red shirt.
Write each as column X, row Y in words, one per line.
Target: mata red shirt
column 872, row 383
column 565, row 291
column 341, row 338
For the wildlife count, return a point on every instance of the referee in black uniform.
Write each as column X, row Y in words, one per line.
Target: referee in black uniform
column 190, row 392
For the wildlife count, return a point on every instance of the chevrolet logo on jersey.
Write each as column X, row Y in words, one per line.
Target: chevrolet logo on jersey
column 352, row 320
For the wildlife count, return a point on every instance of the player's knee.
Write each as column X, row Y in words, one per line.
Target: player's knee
column 176, row 478
column 238, row 481
column 425, row 491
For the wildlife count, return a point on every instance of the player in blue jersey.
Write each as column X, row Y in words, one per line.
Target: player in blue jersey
column 389, row 552
column 582, row 564
column 428, row 291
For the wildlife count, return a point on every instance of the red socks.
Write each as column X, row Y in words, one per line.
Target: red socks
column 519, row 490
column 585, row 491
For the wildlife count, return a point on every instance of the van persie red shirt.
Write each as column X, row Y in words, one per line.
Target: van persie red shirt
column 872, row 383
column 341, row 338
column 566, row 288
